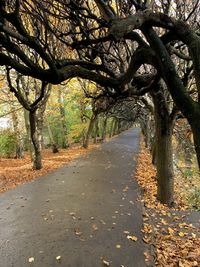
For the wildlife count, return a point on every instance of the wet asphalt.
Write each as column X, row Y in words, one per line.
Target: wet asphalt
column 82, row 212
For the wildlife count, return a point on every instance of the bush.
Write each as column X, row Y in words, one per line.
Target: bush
column 7, row 143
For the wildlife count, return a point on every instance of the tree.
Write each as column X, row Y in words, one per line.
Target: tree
column 107, row 46
column 21, row 92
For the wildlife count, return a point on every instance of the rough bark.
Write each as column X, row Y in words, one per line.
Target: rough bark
column 28, row 134
column 164, row 156
column 37, row 160
column 195, row 125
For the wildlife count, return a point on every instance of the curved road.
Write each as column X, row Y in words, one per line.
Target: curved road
column 82, row 212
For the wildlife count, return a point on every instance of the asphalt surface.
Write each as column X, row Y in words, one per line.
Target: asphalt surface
column 79, row 212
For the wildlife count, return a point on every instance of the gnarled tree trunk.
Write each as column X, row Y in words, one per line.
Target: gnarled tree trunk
column 164, row 156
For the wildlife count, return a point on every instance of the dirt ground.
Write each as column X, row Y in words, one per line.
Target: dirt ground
column 14, row 172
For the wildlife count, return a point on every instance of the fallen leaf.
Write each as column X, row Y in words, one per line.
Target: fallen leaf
column 106, row 263
column 170, row 230
column 132, row 237
column 181, row 234
column 58, row 258
column 125, row 189
column 94, row 227
column 31, row 259
column 77, row 232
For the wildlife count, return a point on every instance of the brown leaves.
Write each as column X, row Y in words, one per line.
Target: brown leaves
column 14, row 172
column 177, row 242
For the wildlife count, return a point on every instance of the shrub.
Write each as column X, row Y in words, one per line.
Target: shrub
column 7, row 143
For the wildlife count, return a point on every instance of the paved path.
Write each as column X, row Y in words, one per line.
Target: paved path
column 79, row 212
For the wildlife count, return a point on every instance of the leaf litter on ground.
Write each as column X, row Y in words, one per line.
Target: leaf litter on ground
column 176, row 240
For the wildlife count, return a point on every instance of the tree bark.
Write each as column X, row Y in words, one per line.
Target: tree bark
column 115, row 126
column 64, row 130
column 104, row 128
column 53, row 143
column 195, row 125
column 111, row 128
column 28, row 133
column 37, row 160
column 96, row 134
column 189, row 108
column 90, row 127
column 19, row 138
column 164, row 156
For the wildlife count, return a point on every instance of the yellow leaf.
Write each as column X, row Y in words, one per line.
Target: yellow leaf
column 194, row 235
column 170, row 230
column 164, row 222
column 58, row 258
column 31, row 259
column 106, row 263
column 132, row 237
column 181, row 234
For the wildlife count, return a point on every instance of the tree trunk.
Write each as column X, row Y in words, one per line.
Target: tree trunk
column 153, row 152
column 115, row 126
column 164, row 156
column 64, row 131
column 39, row 122
column 146, row 130
column 164, row 165
column 52, row 141
column 28, row 133
column 37, row 160
column 104, row 128
column 119, row 127
column 40, row 117
column 195, row 125
column 96, row 134
column 19, row 138
column 90, row 127
column 111, row 128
